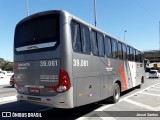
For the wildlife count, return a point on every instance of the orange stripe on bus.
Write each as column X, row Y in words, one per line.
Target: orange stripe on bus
column 123, row 76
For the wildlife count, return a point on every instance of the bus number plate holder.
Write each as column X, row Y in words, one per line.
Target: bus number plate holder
column 34, row 90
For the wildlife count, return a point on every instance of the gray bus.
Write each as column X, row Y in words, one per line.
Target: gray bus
column 64, row 62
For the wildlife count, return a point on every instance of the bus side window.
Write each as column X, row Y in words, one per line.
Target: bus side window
column 107, row 42
column 134, row 55
column 137, row 56
column 114, row 48
column 94, row 43
column 86, row 48
column 124, row 51
column 128, row 53
column 131, row 53
column 100, row 40
column 142, row 57
column 76, row 39
column 120, row 50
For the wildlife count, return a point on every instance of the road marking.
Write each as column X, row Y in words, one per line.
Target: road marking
column 107, row 106
column 7, row 99
column 150, row 94
column 127, row 100
column 138, row 92
column 140, row 104
column 154, row 89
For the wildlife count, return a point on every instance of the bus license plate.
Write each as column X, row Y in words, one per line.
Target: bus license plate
column 34, row 90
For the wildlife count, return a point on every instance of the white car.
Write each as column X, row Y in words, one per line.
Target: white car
column 154, row 74
column 2, row 74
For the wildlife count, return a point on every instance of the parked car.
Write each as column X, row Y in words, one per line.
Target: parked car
column 2, row 74
column 12, row 82
column 154, row 74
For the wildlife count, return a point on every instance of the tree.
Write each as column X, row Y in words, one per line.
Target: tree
column 6, row 65
column 9, row 67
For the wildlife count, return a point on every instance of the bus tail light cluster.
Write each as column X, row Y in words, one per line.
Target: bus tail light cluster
column 64, row 83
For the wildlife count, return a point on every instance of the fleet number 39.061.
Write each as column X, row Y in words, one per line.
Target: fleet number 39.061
column 77, row 62
column 48, row 63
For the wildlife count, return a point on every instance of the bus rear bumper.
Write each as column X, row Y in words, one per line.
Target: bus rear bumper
column 61, row 100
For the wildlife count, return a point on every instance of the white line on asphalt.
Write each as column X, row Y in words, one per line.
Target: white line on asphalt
column 138, row 92
column 158, row 85
column 7, row 99
column 123, row 99
column 107, row 106
column 141, row 105
column 150, row 94
column 154, row 89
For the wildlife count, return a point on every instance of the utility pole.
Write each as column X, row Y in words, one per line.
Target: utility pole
column 95, row 17
column 27, row 8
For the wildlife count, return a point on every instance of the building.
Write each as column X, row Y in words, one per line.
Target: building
column 152, row 55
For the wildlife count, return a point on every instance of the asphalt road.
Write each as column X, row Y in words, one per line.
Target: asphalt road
column 133, row 103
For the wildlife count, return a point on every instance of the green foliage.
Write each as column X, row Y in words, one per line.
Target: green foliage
column 6, row 65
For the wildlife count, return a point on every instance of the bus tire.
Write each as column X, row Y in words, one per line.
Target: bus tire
column 116, row 93
column 139, row 86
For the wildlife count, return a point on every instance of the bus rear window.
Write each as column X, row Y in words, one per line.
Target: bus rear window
column 37, row 31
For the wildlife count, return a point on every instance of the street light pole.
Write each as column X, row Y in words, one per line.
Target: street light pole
column 124, row 34
column 27, row 8
column 95, row 17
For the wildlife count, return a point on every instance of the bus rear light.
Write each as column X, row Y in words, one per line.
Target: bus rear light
column 64, row 83
column 61, row 88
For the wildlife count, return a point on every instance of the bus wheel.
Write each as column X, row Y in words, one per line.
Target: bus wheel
column 116, row 93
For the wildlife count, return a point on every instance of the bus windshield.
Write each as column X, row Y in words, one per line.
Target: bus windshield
column 36, row 31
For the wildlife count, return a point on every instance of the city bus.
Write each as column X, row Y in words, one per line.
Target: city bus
column 62, row 61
